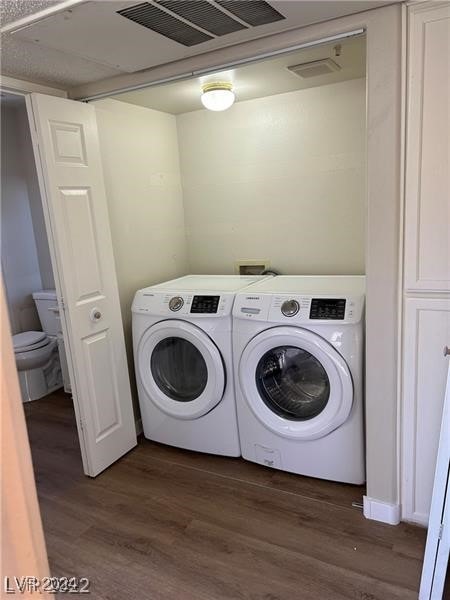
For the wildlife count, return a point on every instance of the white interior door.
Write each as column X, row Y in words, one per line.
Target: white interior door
column 438, row 539
column 65, row 141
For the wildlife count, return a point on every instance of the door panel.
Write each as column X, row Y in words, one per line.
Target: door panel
column 427, row 184
column 99, row 361
column 426, row 331
column 435, row 562
column 66, row 144
column 81, row 243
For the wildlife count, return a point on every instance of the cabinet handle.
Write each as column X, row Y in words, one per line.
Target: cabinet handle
column 446, row 351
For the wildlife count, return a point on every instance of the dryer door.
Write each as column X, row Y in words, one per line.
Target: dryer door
column 181, row 369
column 296, row 383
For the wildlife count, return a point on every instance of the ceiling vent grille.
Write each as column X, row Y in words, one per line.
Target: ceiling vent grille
column 192, row 22
column 324, row 66
column 253, row 12
column 157, row 20
column 204, row 15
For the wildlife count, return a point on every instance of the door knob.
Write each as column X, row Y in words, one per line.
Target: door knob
column 95, row 315
column 446, row 351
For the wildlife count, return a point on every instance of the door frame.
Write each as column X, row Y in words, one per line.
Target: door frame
column 14, row 87
column 385, row 29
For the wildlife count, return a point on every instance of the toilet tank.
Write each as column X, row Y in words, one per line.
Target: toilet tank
column 47, row 307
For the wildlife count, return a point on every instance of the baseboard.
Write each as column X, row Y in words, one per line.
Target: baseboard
column 139, row 428
column 385, row 512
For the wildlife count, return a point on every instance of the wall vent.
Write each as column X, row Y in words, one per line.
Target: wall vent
column 315, row 68
column 192, row 22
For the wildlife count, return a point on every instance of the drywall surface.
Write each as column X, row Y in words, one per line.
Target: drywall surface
column 279, row 178
column 20, row 264
column 142, row 178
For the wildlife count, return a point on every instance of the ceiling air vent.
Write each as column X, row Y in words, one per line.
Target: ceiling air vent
column 162, row 22
column 204, row 15
column 324, row 66
column 253, row 12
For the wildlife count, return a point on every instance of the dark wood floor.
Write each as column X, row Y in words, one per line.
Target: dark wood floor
column 166, row 524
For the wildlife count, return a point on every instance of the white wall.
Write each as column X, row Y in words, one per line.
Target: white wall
column 278, row 178
column 143, row 187
column 24, row 246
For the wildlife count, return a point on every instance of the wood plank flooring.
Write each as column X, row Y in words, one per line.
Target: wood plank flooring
column 167, row 524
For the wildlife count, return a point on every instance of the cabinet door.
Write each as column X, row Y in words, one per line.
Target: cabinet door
column 427, row 332
column 427, row 186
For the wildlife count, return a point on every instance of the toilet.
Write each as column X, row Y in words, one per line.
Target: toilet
column 37, row 353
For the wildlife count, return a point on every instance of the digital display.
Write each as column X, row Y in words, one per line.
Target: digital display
column 324, row 308
column 205, row 304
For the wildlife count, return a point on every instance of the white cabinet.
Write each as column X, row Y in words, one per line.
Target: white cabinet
column 426, row 332
column 426, row 293
column 427, row 185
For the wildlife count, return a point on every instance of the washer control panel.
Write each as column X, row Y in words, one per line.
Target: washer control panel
column 298, row 309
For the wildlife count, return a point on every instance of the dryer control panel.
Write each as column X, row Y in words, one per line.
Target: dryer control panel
column 293, row 308
column 177, row 304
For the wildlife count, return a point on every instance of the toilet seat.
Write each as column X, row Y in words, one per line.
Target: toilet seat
column 29, row 341
column 35, row 358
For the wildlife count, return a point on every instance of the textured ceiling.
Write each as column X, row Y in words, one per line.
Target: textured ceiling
column 13, row 10
column 43, row 65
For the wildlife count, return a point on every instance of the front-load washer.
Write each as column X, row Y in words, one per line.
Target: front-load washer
column 298, row 346
column 182, row 345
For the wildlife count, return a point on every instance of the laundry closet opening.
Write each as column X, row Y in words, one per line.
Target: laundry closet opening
column 276, row 181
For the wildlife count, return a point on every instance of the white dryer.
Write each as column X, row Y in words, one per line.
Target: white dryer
column 183, row 358
column 298, row 347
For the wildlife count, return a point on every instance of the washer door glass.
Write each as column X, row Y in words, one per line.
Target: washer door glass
column 295, row 383
column 292, row 383
column 179, row 369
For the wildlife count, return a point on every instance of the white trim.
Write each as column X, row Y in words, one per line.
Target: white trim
column 38, row 16
column 401, row 254
column 377, row 510
column 23, row 88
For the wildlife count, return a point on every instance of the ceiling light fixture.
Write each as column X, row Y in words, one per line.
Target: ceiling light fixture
column 217, row 95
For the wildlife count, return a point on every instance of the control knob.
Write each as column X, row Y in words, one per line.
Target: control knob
column 290, row 308
column 176, row 303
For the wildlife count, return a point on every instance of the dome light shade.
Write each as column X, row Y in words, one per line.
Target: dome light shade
column 217, row 96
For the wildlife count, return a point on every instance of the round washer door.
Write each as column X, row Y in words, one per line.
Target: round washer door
column 295, row 383
column 181, row 369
